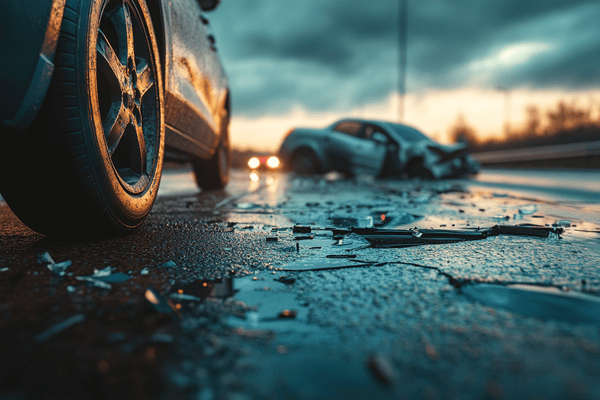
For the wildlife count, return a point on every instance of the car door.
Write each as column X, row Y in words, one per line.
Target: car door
column 354, row 150
column 195, row 80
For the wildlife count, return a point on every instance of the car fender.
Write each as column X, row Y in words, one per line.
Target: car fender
column 29, row 36
column 302, row 138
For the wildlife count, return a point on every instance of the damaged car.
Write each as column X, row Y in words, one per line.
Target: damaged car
column 94, row 95
column 384, row 149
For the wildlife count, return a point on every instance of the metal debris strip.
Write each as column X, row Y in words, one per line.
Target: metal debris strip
column 57, row 328
column 395, row 238
column 301, row 229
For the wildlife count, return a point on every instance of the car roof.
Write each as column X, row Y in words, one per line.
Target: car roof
column 389, row 126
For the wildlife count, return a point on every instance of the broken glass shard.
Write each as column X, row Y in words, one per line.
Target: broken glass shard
column 168, row 264
column 61, row 326
column 60, row 268
column 45, row 258
column 158, row 302
column 203, row 288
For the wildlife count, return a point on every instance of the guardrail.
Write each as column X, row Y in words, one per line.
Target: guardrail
column 540, row 154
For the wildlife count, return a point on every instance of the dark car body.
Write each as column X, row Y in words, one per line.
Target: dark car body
column 378, row 148
column 195, row 84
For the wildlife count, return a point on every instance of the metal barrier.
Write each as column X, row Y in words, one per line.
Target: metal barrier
column 552, row 152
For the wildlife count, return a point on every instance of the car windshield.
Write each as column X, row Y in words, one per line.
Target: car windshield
column 409, row 134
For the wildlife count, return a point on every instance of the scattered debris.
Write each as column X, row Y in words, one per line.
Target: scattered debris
column 57, row 328
column 104, row 272
column 168, row 264
column 528, row 209
column 185, row 297
column 301, row 229
column 286, row 279
column 95, row 282
column 248, row 206
column 145, row 271
column 382, row 368
column 158, row 302
column 4, row 269
column 287, row 314
column 45, row 258
column 272, row 239
column 60, row 268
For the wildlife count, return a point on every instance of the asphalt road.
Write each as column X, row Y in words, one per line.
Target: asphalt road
column 258, row 311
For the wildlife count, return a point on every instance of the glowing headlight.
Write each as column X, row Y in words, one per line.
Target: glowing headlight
column 273, row 162
column 254, row 162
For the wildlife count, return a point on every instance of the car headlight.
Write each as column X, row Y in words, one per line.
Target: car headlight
column 254, row 162
column 273, row 162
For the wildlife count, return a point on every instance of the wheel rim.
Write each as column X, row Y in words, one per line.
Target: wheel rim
column 127, row 94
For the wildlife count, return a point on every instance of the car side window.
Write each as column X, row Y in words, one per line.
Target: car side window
column 351, row 128
column 375, row 134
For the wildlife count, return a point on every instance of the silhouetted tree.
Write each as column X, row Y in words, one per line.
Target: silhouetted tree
column 461, row 131
column 532, row 125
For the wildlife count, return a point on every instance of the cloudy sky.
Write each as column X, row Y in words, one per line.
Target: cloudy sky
column 310, row 62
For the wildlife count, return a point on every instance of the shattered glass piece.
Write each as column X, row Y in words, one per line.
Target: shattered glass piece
column 185, row 297
column 368, row 222
column 350, row 242
column 71, row 289
column 95, row 282
column 321, row 263
column 528, row 209
column 538, row 302
column 145, row 271
column 45, row 258
column 60, row 268
column 4, row 269
column 168, row 264
column 57, row 328
column 158, row 302
column 101, row 273
column 417, row 234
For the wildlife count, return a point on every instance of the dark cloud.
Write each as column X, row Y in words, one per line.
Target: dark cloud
column 335, row 55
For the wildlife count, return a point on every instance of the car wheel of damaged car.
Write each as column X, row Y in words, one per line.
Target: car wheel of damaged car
column 214, row 173
column 92, row 159
column 304, row 162
column 416, row 169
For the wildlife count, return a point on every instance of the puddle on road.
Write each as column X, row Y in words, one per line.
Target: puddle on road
column 277, row 309
column 547, row 303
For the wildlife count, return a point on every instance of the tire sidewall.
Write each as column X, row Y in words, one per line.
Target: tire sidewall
column 126, row 208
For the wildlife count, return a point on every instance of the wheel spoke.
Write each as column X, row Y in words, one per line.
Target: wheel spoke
column 141, row 142
column 109, row 64
column 122, row 22
column 145, row 80
column 115, row 124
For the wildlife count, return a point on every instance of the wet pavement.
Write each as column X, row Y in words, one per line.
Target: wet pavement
column 218, row 296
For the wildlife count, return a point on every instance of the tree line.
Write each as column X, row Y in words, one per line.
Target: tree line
column 564, row 123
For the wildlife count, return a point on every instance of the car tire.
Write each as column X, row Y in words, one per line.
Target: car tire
column 304, row 162
column 416, row 169
column 213, row 173
column 91, row 161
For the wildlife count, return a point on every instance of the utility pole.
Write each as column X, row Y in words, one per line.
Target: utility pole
column 402, row 21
